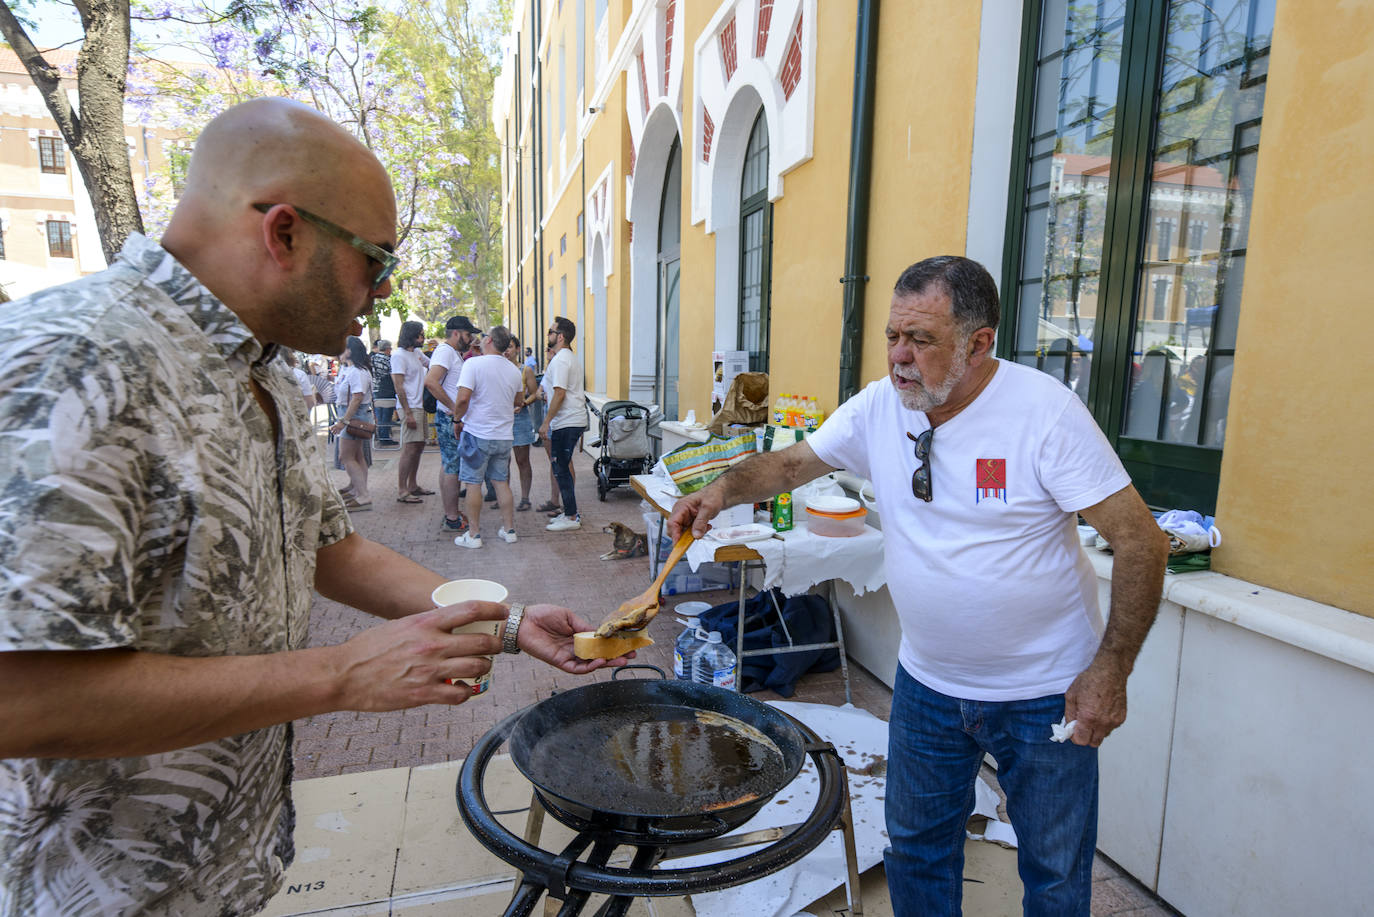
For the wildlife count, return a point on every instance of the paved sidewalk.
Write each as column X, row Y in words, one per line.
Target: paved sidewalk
column 541, row 567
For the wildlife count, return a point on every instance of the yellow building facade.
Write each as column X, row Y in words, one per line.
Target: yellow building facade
column 1170, row 195
column 617, row 115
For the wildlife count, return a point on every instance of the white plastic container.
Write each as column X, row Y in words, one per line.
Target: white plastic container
column 714, row 663
column 836, row 525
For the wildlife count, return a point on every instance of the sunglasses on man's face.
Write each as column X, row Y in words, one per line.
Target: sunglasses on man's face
column 386, row 261
column 920, row 478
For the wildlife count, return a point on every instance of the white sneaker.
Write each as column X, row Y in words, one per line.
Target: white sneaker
column 564, row 524
column 468, row 540
column 508, row 536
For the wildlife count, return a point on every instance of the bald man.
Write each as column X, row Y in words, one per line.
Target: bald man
column 164, row 517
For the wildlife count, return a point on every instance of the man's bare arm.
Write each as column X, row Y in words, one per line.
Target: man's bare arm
column 434, row 381
column 117, row 703
column 460, row 404
column 759, row 477
column 1097, row 698
column 373, row 578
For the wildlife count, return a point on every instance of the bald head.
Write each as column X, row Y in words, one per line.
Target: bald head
column 274, row 150
column 271, row 152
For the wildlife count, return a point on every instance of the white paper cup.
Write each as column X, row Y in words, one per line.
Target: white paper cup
column 467, row 590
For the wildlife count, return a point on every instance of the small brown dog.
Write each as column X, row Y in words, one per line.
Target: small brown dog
column 628, row 542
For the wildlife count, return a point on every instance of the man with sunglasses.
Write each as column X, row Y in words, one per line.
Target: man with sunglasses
column 165, row 521
column 980, row 468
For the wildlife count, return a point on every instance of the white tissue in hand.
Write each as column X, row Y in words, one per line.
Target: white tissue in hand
column 1062, row 731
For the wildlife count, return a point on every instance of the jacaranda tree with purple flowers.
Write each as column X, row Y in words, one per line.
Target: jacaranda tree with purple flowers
column 403, row 82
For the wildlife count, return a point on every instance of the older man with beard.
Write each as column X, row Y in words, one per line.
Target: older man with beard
column 981, row 467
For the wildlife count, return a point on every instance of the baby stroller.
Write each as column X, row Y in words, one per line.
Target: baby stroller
column 624, row 441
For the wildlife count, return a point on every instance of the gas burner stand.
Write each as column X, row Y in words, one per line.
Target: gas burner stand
column 571, row 878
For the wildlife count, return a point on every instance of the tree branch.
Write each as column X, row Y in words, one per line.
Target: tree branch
column 45, row 76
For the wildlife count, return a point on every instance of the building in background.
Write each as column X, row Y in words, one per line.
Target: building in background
column 47, row 228
column 1171, row 195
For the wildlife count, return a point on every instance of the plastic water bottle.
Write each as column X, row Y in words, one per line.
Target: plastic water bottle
column 689, row 642
column 714, row 663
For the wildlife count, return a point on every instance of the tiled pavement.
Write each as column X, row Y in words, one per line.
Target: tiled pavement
column 541, row 567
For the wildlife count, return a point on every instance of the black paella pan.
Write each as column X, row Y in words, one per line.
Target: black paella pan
column 659, row 759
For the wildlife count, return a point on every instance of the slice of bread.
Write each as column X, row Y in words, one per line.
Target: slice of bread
column 587, row 645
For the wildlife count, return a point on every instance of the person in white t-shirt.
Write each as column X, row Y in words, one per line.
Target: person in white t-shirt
column 979, row 468
column 442, row 382
column 408, row 368
column 566, row 419
column 302, row 380
column 353, row 393
column 489, row 388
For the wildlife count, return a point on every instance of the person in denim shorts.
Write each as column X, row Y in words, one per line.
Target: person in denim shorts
column 488, row 389
column 442, row 382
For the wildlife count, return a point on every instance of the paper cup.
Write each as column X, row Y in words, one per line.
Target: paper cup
column 466, row 590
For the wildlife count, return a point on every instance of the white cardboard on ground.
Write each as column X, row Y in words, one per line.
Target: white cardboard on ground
column 861, row 739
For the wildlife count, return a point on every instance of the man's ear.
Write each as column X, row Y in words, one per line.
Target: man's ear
column 981, row 341
column 280, row 226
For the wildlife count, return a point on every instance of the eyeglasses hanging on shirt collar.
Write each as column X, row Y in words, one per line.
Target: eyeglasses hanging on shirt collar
column 920, row 478
column 385, row 260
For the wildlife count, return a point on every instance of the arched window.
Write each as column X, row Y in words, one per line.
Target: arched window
column 756, row 248
column 669, row 276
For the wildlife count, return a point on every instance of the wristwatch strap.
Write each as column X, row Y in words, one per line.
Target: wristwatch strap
column 512, row 631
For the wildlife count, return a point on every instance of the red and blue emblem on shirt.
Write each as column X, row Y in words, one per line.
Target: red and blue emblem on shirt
column 991, row 477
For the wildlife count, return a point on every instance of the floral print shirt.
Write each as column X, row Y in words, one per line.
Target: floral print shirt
column 145, row 504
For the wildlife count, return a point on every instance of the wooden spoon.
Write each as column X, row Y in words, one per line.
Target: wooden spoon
column 636, row 612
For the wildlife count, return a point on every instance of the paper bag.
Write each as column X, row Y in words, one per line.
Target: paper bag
column 746, row 403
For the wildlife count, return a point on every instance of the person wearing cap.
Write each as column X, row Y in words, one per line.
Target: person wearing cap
column 442, row 381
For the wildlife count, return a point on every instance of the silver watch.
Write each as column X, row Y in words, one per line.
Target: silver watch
column 509, row 641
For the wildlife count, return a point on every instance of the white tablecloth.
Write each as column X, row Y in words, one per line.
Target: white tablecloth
column 795, row 560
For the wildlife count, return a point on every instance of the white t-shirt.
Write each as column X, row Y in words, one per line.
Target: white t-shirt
column 996, row 598
column 493, row 381
column 353, row 379
column 303, row 381
column 565, row 372
column 411, row 365
column 452, row 361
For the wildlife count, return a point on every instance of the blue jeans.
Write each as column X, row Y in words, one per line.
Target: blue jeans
column 563, row 441
column 936, row 745
column 386, row 415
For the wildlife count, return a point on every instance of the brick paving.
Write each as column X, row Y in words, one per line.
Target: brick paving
column 541, row 567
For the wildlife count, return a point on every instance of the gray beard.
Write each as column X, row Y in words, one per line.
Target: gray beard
column 928, row 398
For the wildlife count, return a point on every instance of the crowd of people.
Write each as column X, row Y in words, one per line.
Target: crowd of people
column 489, row 408
column 168, row 518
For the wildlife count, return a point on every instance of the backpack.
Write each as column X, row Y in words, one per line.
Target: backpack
column 429, row 402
